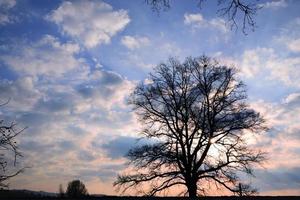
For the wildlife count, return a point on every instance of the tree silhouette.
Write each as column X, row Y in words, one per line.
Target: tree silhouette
column 197, row 112
column 231, row 9
column 8, row 145
column 61, row 191
column 76, row 189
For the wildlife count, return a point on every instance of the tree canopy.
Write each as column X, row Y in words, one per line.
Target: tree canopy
column 76, row 189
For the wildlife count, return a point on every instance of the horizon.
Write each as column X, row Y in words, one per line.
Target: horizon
column 68, row 67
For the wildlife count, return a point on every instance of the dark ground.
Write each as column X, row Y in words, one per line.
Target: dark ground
column 27, row 195
column 159, row 198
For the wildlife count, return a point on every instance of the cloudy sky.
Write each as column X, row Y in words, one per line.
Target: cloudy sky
column 68, row 67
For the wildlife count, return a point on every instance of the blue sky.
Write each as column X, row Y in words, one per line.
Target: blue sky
column 68, row 67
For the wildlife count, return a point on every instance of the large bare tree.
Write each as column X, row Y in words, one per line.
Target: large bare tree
column 9, row 151
column 196, row 112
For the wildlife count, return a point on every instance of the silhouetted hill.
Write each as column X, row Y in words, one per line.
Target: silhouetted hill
column 15, row 194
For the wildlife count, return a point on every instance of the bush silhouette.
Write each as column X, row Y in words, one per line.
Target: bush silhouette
column 76, row 189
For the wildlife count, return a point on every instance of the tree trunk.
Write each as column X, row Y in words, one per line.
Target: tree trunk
column 192, row 189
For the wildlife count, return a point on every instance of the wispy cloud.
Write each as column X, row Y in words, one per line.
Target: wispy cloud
column 197, row 21
column 275, row 4
column 5, row 16
column 132, row 42
column 290, row 36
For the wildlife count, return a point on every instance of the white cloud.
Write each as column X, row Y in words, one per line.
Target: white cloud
column 197, row 21
column 91, row 22
column 273, row 63
column 47, row 56
column 105, row 89
column 5, row 6
column 219, row 24
column 134, row 42
column 170, row 49
column 292, row 98
column 265, row 61
column 294, row 45
column 274, row 4
column 21, row 92
column 252, row 61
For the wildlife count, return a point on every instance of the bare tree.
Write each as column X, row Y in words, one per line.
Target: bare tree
column 197, row 113
column 8, row 145
column 231, row 9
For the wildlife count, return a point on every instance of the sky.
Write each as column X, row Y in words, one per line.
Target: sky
column 68, row 68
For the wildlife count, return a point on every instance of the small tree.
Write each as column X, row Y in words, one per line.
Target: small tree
column 197, row 112
column 61, row 191
column 8, row 144
column 76, row 189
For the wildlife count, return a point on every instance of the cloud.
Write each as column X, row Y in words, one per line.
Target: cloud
column 280, row 178
column 138, row 59
column 105, row 172
column 253, row 60
column 280, row 62
column 91, row 22
column 46, row 57
column 134, row 42
column 267, row 63
column 7, row 4
column 274, row 4
column 197, row 21
column 193, row 19
column 21, row 92
column 35, row 146
column 57, row 123
column 5, row 7
column 282, row 141
column 293, row 99
column 105, row 88
column 86, row 156
column 59, row 102
column 118, row 147
column 294, row 45
column 109, row 172
column 65, row 102
column 290, row 36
